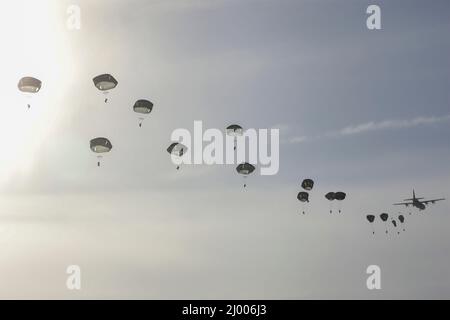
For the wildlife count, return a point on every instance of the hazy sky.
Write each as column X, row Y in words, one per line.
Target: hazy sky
column 366, row 112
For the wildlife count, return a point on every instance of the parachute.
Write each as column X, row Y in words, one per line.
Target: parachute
column 371, row 219
column 401, row 218
column 308, row 184
column 303, row 197
column 29, row 85
column 384, row 217
column 245, row 169
column 105, row 83
column 330, row 196
column 340, row 196
column 142, row 107
column 178, row 150
column 235, row 131
column 395, row 225
column 100, row 146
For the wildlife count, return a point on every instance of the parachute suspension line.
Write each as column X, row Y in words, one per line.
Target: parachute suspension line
column 106, row 97
column 245, row 181
column 141, row 120
column 235, row 143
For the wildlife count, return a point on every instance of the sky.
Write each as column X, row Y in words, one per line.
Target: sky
column 362, row 111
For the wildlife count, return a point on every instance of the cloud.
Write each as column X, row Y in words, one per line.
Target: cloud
column 375, row 126
column 390, row 124
column 298, row 139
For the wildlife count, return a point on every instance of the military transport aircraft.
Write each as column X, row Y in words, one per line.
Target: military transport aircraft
column 417, row 202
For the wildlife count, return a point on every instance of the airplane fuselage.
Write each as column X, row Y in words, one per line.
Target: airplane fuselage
column 418, row 204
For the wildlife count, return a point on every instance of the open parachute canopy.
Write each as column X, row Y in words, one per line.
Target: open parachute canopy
column 308, row 184
column 177, row 149
column 245, row 168
column 303, row 196
column 394, row 223
column 401, row 218
column 330, row 196
column 371, row 219
column 100, row 145
column 235, row 130
column 105, row 82
column 340, row 196
column 384, row 216
column 143, row 106
column 29, row 85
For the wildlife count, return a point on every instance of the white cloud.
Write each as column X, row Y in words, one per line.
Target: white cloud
column 391, row 124
column 298, row 139
column 375, row 126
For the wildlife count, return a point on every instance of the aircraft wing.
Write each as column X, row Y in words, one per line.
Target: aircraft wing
column 403, row 204
column 431, row 201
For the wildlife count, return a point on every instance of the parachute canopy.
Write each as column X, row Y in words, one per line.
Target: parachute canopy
column 384, row 216
column 330, row 196
column 29, row 85
column 101, row 145
column 401, row 218
column 235, row 130
column 340, row 196
column 308, row 184
column 303, row 196
column 177, row 149
column 370, row 218
column 143, row 106
column 105, row 82
column 245, row 168
column 394, row 223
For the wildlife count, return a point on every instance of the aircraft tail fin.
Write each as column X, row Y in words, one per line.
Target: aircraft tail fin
column 414, row 197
